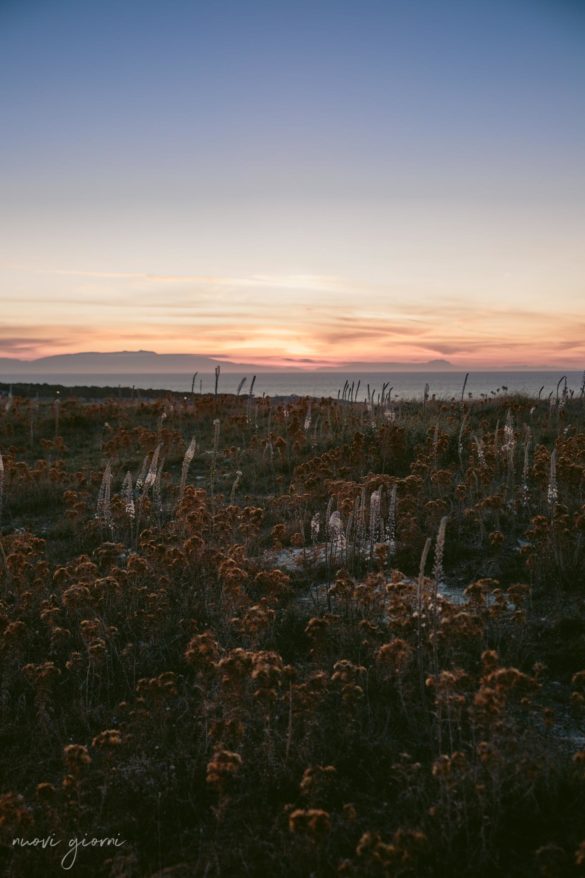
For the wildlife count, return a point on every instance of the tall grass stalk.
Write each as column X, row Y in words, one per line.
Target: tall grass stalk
column 420, row 584
column 235, row 484
column 465, row 380
column 509, row 445
column 375, row 504
column 336, row 536
column 188, row 457
column 128, row 495
column 460, row 438
column 152, row 469
column 157, row 488
column 213, row 470
column 526, row 468
column 552, row 494
column 391, row 524
column 241, row 385
column 315, row 526
column 33, row 409
column 57, row 410
column 142, row 474
column 103, row 508
column 438, row 572
column 1, row 486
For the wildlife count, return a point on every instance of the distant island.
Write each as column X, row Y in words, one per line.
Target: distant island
column 150, row 363
column 132, row 362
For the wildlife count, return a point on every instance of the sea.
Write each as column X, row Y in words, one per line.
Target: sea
column 402, row 385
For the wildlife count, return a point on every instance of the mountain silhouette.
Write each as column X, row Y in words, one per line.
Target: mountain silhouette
column 120, row 362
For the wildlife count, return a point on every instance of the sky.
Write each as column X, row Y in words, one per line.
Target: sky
column 295, row 181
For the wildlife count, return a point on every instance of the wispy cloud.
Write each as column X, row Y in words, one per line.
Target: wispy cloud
column 28, row 343
column 309, row 282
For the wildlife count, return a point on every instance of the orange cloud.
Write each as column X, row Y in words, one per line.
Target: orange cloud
column 303, row 319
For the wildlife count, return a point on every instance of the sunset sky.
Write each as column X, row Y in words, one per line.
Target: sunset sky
column 321, row 181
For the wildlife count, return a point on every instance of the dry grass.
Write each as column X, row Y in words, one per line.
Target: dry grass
column 316, row 638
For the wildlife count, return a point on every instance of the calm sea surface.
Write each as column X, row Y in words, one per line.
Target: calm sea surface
column 406, row 385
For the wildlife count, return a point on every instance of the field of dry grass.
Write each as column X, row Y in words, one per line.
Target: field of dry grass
column 249, row 637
